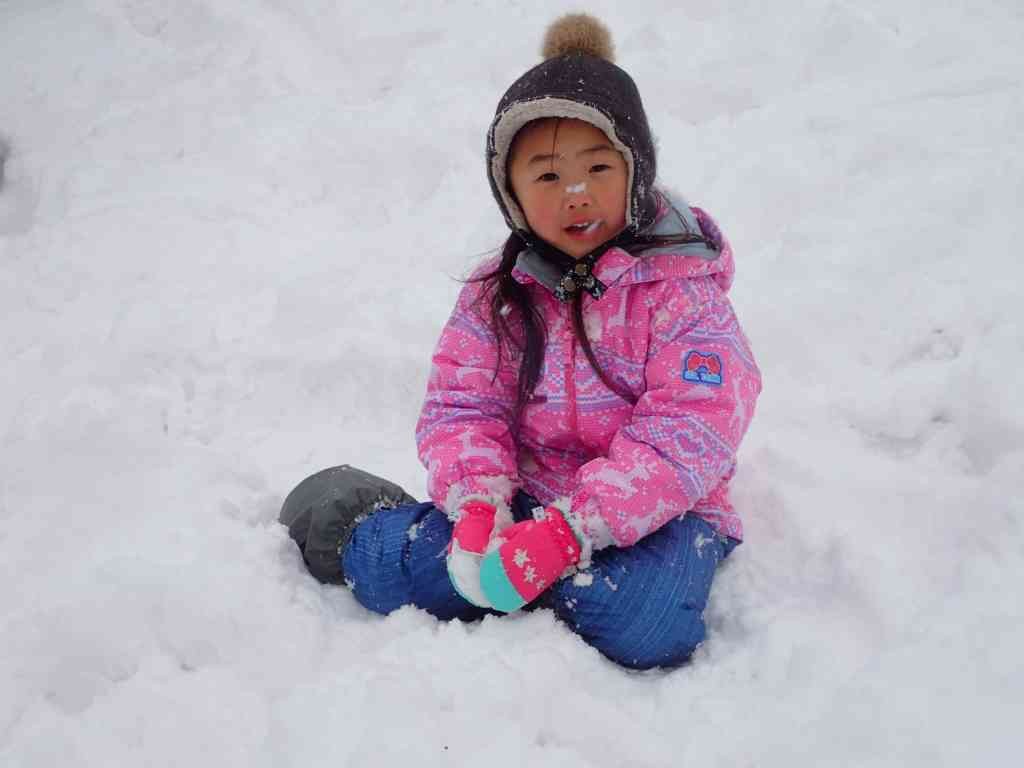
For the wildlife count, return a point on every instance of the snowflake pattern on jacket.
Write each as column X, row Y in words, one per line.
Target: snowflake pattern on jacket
column 625, row 468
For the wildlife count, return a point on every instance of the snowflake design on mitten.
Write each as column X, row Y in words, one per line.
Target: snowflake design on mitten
column 522, row 557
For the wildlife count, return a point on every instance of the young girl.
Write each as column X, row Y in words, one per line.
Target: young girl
column 586, row 400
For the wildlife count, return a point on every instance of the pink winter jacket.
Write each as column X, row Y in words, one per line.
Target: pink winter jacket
column 665, row 331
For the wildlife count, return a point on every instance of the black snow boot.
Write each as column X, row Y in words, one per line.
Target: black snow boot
column 325, row 508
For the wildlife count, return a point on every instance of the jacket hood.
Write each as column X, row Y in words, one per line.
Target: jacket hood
column 617, row 266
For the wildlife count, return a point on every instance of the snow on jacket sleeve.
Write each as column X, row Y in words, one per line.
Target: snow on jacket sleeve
column 681, row 440
column 463, row 434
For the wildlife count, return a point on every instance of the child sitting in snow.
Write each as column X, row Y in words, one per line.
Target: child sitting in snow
column 587, row 396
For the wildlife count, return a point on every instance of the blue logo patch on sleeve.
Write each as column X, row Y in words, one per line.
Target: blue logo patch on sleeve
column 703, row 368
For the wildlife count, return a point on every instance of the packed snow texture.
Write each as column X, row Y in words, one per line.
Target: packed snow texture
column 229, row 233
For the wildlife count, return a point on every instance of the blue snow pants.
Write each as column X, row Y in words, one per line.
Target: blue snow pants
column 641, row 606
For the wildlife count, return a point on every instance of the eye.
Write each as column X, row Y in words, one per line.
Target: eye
column 600, row 167
column 549, row 176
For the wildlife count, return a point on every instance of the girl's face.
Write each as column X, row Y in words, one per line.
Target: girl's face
column 570, row 183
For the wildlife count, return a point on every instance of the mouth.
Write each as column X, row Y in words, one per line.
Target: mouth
column 583, row 228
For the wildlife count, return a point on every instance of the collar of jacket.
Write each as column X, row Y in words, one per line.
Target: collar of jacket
column 618, row 266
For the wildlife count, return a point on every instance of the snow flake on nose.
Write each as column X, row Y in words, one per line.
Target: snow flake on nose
column 576, row 189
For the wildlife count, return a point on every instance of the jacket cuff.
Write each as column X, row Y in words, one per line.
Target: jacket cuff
column 496, row 491
column 586, row 510
column 590, row 532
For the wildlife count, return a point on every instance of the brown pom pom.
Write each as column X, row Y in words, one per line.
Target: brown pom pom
column 578, row 33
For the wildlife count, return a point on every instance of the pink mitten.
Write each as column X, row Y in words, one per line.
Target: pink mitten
column 534, row 555
column 470, row 535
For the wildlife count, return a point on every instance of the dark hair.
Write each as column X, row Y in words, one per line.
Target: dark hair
column 517, row 324
column 519, row 327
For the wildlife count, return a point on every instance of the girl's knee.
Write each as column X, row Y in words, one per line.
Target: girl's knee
column 635, row 634
column 643, row 606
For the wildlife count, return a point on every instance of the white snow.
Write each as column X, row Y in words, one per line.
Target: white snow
column 583, row 579
column 227, row 236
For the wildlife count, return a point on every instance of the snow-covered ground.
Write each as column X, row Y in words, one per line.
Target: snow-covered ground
column 228, row 236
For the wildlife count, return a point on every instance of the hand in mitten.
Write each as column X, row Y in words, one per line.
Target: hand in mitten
column 472, row 531
column 534, row 554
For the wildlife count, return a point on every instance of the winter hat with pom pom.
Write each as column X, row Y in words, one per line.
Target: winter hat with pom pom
column 577, row 79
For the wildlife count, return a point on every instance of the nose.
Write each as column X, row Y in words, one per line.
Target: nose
column 576, row 196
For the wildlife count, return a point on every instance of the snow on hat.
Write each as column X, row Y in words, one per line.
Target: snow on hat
column 577, row 79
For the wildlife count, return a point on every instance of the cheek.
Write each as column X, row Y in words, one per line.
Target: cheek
column 537, row 208
column 615, row 201
column 623, row 198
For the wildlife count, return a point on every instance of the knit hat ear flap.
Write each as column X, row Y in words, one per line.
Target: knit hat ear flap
column 577, row 80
